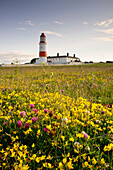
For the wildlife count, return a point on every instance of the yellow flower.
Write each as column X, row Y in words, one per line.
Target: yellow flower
column 64, row 160
column 71, row 139
column 37, row 159
column 102, row 161
column 33, row 145
column 94, row 161
column 63, row 138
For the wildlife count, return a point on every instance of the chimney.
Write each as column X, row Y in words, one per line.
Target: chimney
column 57, row 54
column 74, row 55
column 67, row 54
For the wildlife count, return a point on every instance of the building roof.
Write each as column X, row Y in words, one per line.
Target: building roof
column 50, row 57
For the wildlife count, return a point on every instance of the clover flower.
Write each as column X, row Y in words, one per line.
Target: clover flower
column 35, row 110
column 5, row 123
column 3, row 90
column 34, row 119
column 65, row 121
column 76, row 144
column 31, row 105
column 85, row 134
column 23, row 113
column 103, row 112
column 45, row 129
column 27, row 126
column 55, row 117
column 46, row 110
column 19, row 123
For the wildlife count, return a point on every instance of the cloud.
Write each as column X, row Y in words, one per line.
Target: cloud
column 21, row 28
column 52, row 33
column 104, row 38
column 9, row 57
column 29, row 23
column 107, row 31
column 85, row 23
column 58, row 22
column 105, row 23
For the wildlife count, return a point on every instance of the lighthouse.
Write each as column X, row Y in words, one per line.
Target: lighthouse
column 42, row 50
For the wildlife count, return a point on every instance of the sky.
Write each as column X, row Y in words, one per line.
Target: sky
column 80, row 27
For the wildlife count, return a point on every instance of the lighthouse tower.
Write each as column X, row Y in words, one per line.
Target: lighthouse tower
column 42, row 49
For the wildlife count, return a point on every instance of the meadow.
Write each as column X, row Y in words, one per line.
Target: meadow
column 57, row 117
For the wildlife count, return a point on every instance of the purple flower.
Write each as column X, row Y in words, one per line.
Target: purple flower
column 35, row 110
column 45, row 129
column 23, row 113
column 55, row 117
column 31, row 105
column 3, row 89
column 9, row 88
column 46, row 110
column 62, row 91
column 34, row 119
column 19, row 123
column 85, row 134
column 5, row 123
column 27, row 126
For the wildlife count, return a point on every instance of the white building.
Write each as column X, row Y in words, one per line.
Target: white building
column 65, row 59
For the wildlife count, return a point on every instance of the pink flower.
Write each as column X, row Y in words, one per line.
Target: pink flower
column 85, row 134
column 5, row 123
column 103, row 112
column 35, row 110
column 95, row 85
column 27, row 126
column 31, row 105
column 19, row 123
column 34, row 119
column 23, row 113
column 46, row 110
column 45, row 129
column 55, row 117
column 4, row 90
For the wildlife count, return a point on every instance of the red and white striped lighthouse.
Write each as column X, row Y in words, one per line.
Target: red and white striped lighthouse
column 42, row 49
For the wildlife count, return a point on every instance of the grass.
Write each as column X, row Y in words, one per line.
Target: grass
column 57, row 117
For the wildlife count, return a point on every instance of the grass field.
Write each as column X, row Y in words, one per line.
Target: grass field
column 56, row 117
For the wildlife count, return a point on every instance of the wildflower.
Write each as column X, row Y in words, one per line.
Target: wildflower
column 103, row 112
column 94, row 161
column 76, row 144
column 87, row 148
column 27, row 126
column 55, row 117
column 46, row 110
column 23, row 113
column 95, row 85
column 98, row 121
column 33, row 145
column 50, row 113
column 3, row 90
column 62, row 91
column 34, row 119
column 85, row 134
column 45, row 130
column 5, row 123
column 102, row 161
column 31, row 105
column 35, row 110
column 65, row 120
column 19, row 123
